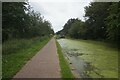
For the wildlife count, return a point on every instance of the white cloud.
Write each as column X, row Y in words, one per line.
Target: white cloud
column 58, row 13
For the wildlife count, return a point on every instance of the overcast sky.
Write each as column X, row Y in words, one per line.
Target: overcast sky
column 59, row 11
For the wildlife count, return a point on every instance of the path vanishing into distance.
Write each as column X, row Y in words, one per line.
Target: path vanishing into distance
column 45, row 64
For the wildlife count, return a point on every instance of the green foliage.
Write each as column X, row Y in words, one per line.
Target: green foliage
column 96, row 14
column 24, row 32
column 20, row 21
column 113, row 22
column 102, row 22
column 13, row 19
column 17, row 52
column 74, row 28
column 67, row 26
column 77, row 29
column 14, row 45
column 65, row 69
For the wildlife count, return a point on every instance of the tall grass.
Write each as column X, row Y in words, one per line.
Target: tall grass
column 17, row 52
column 14, row 45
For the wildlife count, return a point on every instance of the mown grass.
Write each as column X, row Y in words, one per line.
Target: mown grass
column 17, row 52
column 65, row 69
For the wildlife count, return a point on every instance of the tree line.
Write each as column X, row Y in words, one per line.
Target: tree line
column 102, row 22
column 20, row 21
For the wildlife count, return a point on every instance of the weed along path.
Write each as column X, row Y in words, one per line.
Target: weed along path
column 45, row 64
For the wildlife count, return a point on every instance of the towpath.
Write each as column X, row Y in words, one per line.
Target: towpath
column 45, row 64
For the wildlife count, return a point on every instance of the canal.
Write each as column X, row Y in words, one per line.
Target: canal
column 92, row 59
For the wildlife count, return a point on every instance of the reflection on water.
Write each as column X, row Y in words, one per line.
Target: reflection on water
column 85, row 61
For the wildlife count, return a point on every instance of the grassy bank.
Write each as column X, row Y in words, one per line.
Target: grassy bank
column 65, row 69
column 17, row 52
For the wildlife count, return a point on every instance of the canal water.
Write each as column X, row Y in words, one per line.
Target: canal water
column 91, row 59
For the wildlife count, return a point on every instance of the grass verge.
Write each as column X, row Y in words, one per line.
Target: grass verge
column 17, row 52
column 65, row 69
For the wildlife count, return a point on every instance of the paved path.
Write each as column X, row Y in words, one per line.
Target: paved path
column 45, row 64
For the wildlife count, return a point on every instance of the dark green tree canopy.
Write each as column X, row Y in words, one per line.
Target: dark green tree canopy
column 20, row 21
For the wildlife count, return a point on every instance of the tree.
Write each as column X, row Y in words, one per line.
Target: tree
column 20, row 21
column 113, row 22
column 102, row 23
column 74, row 28
column 67, row 26
column 96, row 14
column 13, row 19
column 77, row 29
